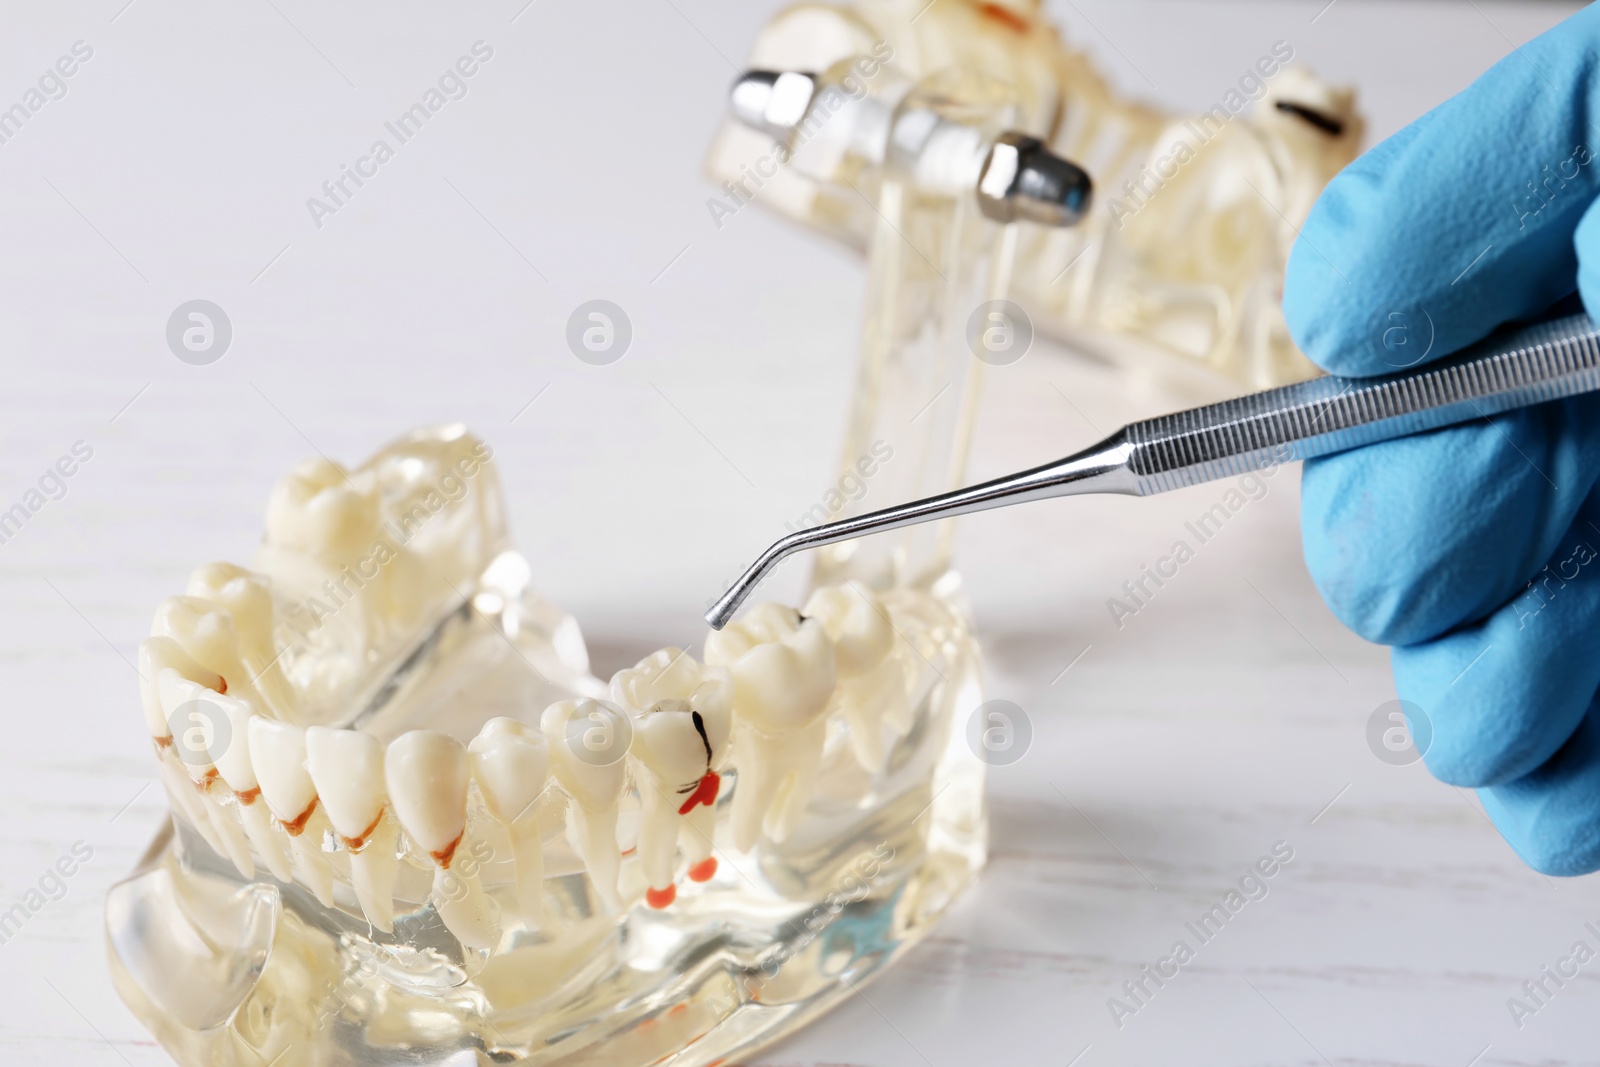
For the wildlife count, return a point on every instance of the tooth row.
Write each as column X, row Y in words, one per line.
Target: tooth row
column 250, row 782
column 254, row 785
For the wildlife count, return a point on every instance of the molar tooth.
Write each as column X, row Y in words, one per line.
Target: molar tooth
column 230, row 752
column 872, row 685
column 347, row 768
column 324, row 543
column 206, row 632
column 682, row 715
column 322, row 509
column 278, row 756
column 587, row 740
column 511, row 763
column 783, row 680
column 428, row 774
column 202, row 723
column 248, row 601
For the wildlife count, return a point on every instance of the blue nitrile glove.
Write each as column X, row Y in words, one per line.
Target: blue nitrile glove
column 1479, row 213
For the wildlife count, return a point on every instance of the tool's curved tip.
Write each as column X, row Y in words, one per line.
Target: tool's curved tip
column 727, row 605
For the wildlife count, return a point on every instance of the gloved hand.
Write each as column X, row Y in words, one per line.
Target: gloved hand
column 1479, row 213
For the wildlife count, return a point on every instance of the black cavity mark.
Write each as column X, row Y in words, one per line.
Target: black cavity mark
column 1326, row 123
column 700, row 728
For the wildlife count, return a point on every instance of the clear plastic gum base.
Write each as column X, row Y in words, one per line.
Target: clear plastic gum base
column 227, row 971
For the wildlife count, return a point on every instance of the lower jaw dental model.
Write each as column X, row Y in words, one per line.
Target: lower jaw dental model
column 408, row 826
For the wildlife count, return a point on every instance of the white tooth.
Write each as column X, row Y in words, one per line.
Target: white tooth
column 324, row 541
column 230, row 752
column 783, row 681
column 157, row 654
column 248, row 600
column 205, row 631
column 681, row 719
column 428, row 774
column 320, row 508
column 278, row 755
column 511, row 763
column 587, row 740
column 872, row 691
column 347, row 768
column 199, row 721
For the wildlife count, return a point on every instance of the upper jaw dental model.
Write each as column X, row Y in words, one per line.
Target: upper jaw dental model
column 1177, row 271
column 408, row 826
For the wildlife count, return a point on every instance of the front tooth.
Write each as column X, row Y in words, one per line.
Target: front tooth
column 510, row 763
column 587, row 740
column 347, row 769
column 428, row 774
column 230, row 752
column 872, row 692
column 320, row 508
column 199, row 722
column 206, row 632
column 783, row 681
column 682, row 716
column 248, row 601
column 157, row 654
column 278, row 755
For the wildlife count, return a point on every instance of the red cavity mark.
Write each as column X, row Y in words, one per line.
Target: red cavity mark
column 661, row 898
column 297, row 826
column 630, row 851
column 223, row 690
column 704, row 871
column 248, row 797
column 162, row 743
column 444, row 855
column 704, row 793
column 359, row 842
column 1005, row 16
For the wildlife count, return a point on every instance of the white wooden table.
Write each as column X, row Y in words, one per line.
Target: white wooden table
column 1227, row 715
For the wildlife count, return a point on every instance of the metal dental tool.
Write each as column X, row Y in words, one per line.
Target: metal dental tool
column 1553, row 359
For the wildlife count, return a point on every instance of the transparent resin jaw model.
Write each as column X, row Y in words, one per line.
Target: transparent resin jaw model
column 1178, row 269
column 408, row 826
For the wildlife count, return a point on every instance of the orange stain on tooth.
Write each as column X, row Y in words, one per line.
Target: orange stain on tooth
column 444, row 855
column 297, row 826
column 359, row 842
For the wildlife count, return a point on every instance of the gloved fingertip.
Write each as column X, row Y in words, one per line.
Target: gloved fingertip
column 1550, row 841
column 1551, row 816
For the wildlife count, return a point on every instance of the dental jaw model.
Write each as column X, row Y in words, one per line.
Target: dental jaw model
column 1178, row 268
column 408, row 825
column 475, row 851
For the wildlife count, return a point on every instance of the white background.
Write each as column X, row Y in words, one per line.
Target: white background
column 1224, row 717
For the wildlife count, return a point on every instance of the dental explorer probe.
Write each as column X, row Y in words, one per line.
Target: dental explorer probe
column 1547, row 361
